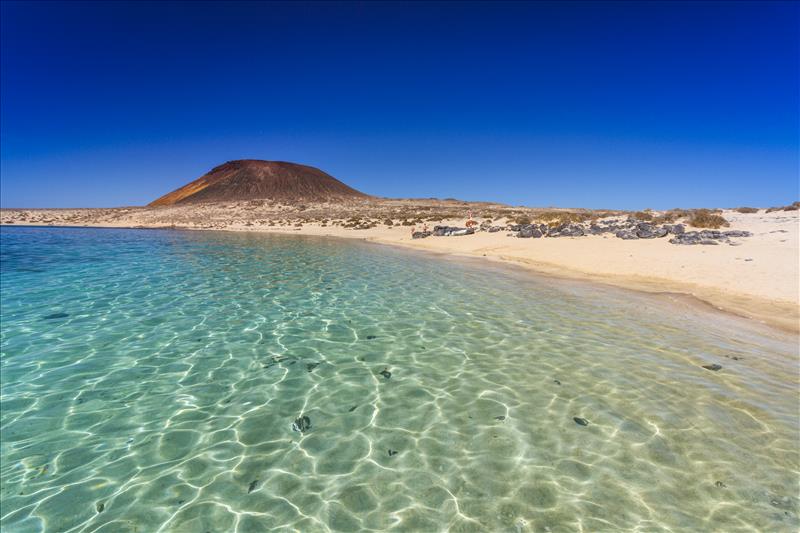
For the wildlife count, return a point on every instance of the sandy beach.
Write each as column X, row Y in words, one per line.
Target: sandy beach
column 756, row 277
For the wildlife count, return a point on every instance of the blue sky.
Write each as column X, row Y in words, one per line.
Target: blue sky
column 616, row 105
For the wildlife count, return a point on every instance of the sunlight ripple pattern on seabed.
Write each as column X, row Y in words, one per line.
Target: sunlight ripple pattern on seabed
column 157, row 380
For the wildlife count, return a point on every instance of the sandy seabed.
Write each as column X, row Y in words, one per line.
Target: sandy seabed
column 756, row 277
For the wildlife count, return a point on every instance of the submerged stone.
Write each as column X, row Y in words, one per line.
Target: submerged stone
column 501, row 418
column 56, row 315
column 385, row 373
column 311, row 366
column 352, row 409
column 713, row 367
column 556, row 382
column 100, row 507
column 301, row 424
column 370, row 337
column 720, row 485
column 252, row 487
column 580, row 421
column 274, row 360
column 392, row 452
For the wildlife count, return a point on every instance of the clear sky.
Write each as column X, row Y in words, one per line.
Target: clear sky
column 617, row 105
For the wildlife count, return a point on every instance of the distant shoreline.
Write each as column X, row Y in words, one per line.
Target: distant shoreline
column 757, row 278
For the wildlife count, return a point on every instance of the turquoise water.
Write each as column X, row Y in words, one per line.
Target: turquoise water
column 150, row 381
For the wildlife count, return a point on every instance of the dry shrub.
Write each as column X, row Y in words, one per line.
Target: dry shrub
column 555, row 218
column 671, row 216
column 643, row 215
column 388, row 222
column 522, row 219
column 746, row 210
column 792, row 207
column 707, row 218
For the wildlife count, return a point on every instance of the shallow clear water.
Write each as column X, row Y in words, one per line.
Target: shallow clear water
column 150, row 380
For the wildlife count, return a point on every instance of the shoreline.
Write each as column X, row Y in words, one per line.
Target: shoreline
column 782, row 315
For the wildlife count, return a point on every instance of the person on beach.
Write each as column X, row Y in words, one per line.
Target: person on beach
column 470, row 222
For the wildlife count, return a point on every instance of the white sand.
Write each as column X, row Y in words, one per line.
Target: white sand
column 758, row 278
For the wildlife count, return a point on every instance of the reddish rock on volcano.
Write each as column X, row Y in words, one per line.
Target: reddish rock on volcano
column 251, row 179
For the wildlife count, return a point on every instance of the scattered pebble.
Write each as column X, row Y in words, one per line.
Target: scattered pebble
column 713, row 367
column 501, row 418
column 252, row 487
column 580, row 421
column 385, row 373
column 370, row 337
column 392, row 452
column 556, row 382
column 301, row 424
column 720, row 485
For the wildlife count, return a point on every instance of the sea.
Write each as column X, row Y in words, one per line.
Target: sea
column 188, row 381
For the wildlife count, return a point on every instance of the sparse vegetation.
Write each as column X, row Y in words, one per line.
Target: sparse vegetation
column 556, row 218
column 707, row 218
column 746, row 210
column 670, row 216
column 792, row 207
